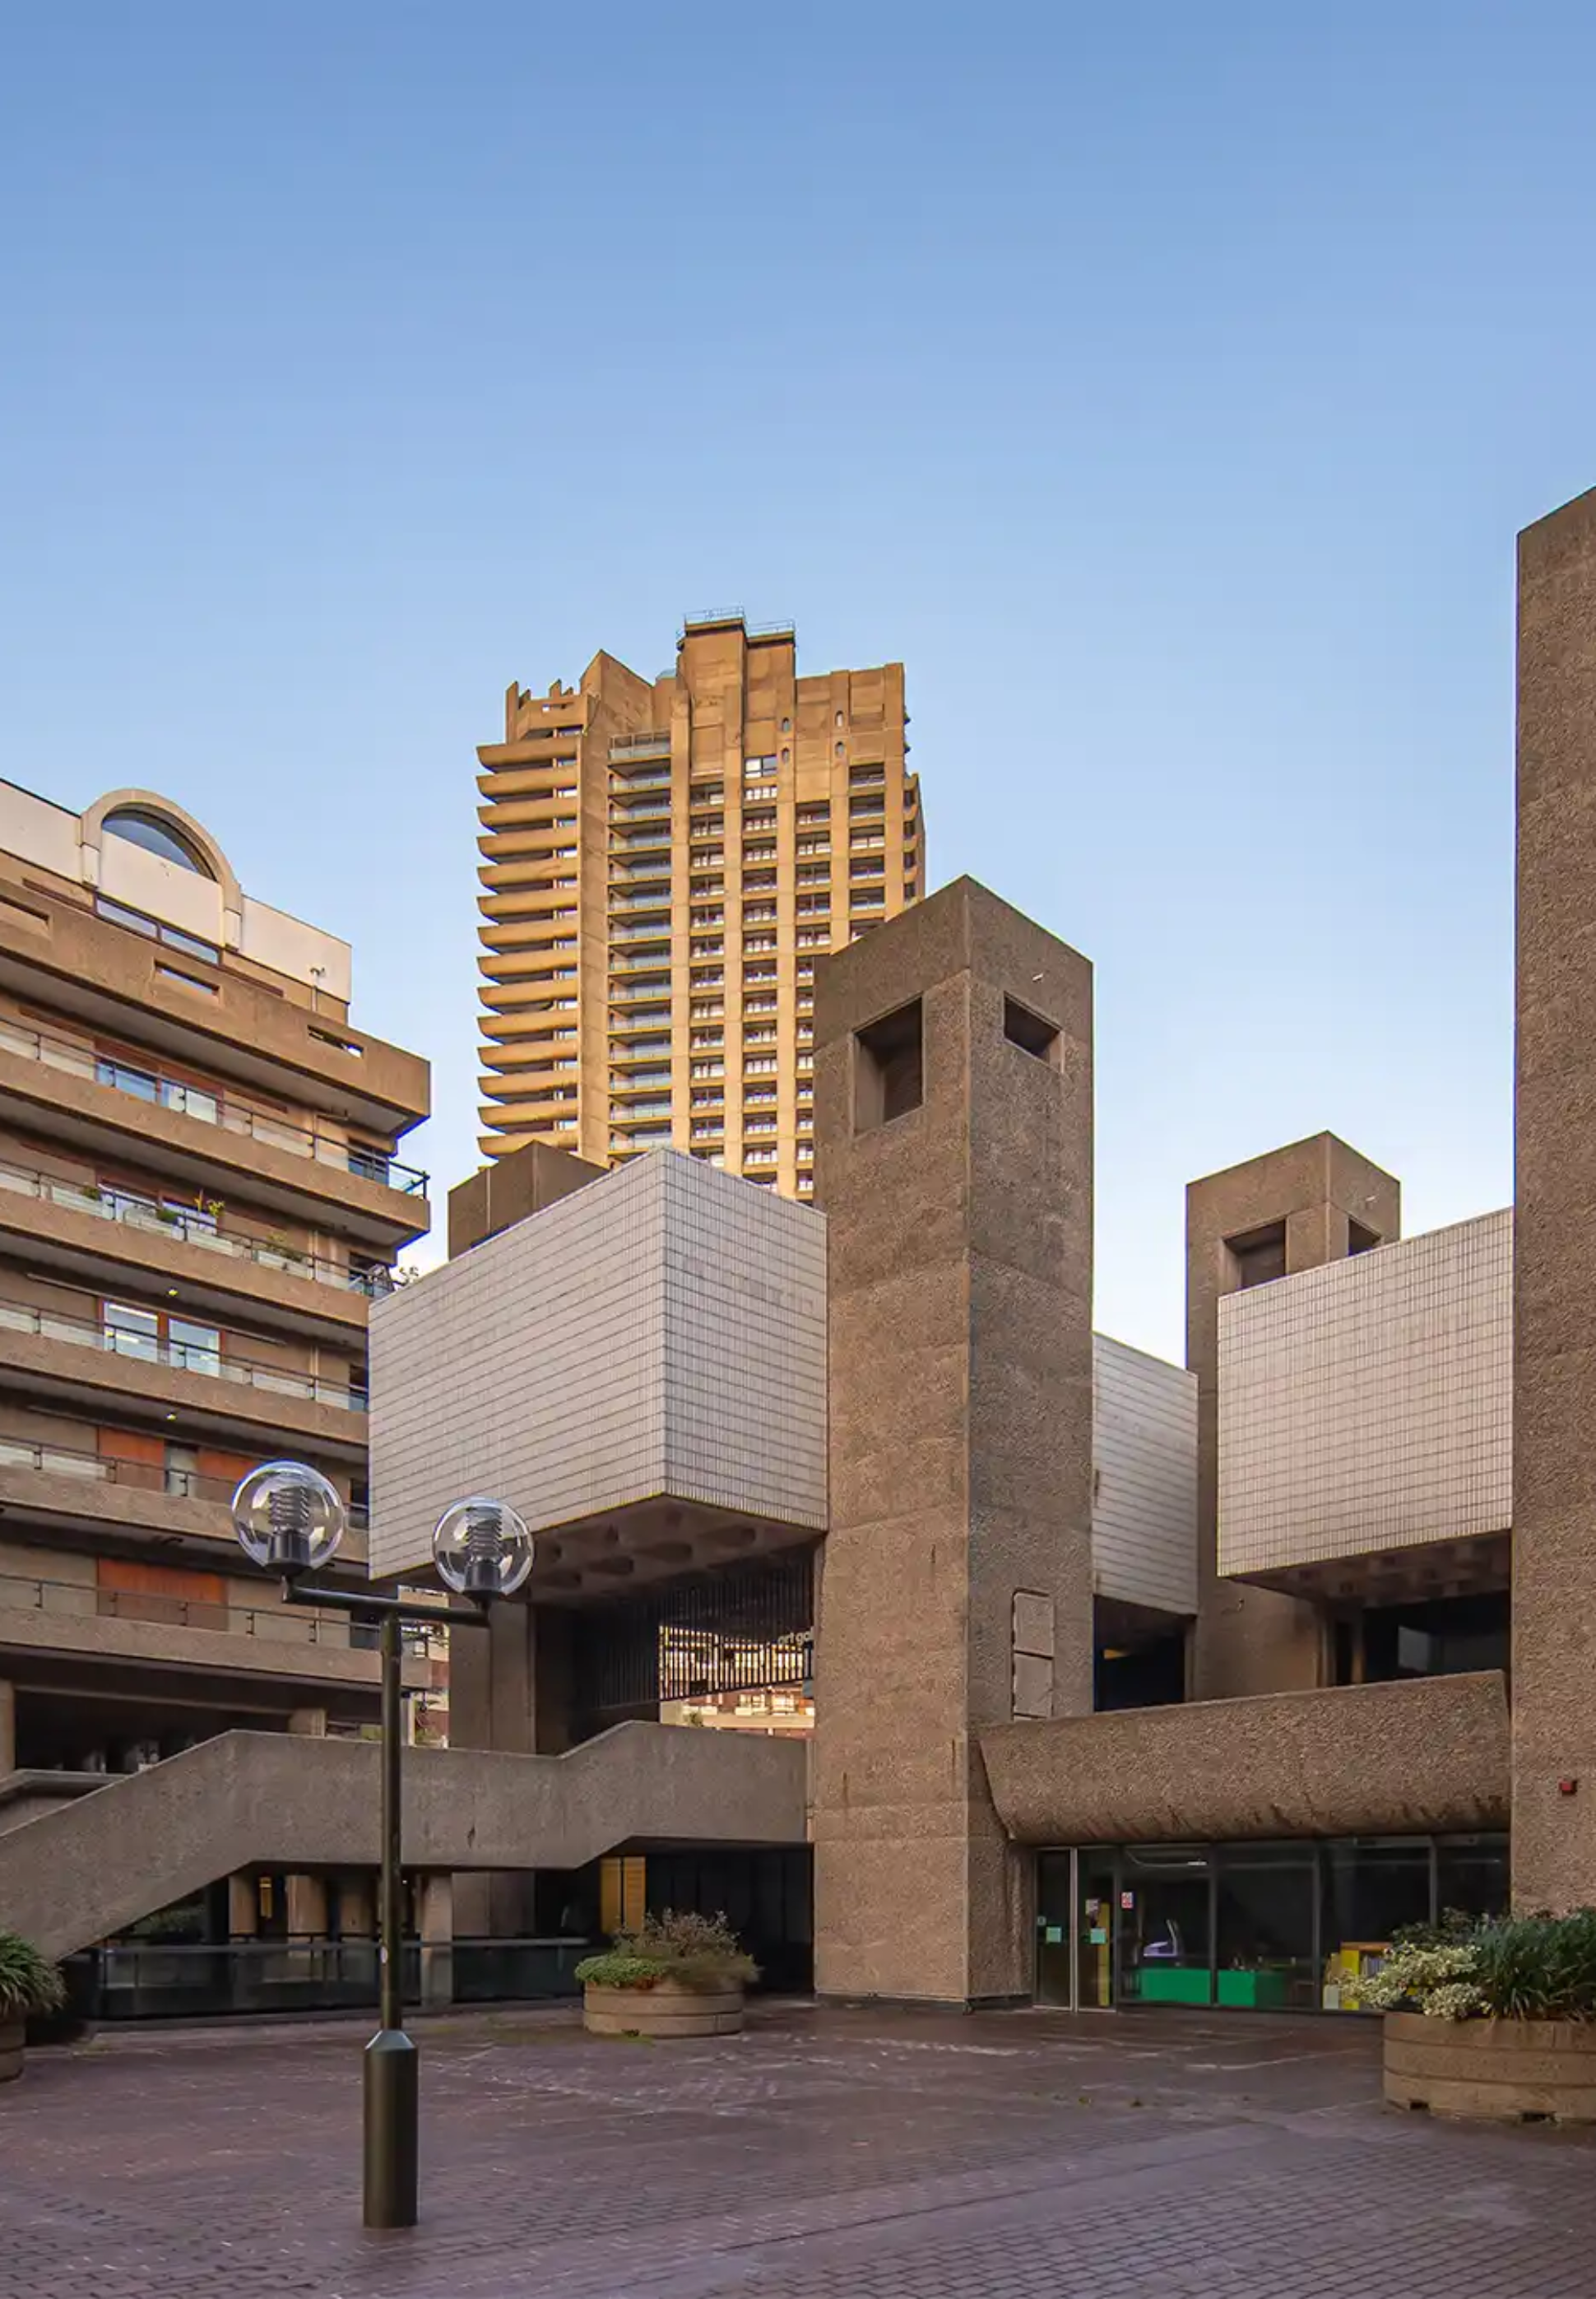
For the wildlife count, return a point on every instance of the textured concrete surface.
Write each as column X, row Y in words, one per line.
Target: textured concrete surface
column 1503, row 2068
column 1377, row 1759
column 279, row 1800
column 959, row 1277
column 1554, row 1341
column 817, row 2157
column 1247, row 1639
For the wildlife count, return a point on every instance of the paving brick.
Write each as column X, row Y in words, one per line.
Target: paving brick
column 821, row 2156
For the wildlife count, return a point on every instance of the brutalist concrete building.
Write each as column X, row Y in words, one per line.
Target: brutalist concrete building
column 1130, row 1683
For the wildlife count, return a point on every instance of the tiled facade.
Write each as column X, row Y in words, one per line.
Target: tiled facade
column 658, row 1334
column 1366, row 1407
column 1144, row 1479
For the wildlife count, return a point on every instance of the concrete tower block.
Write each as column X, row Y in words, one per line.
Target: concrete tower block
column 1554, row 1337
column 952, row 1098
column 1312, row 1202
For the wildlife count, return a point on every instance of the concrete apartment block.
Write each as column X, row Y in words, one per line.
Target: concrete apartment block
column 1293, row 1208
column 640, row 1371
column 953, row 1101
column 1144, row 1481
column 1554, row 1341
column 1366, row 1420
column 663, row 862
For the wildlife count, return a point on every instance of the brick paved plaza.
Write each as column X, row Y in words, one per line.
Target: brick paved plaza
column 821, row 2156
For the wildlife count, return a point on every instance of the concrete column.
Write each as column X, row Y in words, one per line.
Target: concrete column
column 1554, row 1320
column 311, row 1721
column 436, row 1927
column 243, row 1907
column 8, row 1728
column 1293, row 1208
column 306, row 1907
column 357, row 1905
column 953, row 1131
column 509, row 1689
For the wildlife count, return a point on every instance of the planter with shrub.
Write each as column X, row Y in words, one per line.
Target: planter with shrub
column 1492, row 2018
column 676, row 1975
column 29, row 1985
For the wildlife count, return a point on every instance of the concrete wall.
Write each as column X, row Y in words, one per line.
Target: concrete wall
column 1367, row 1405
column 1554, row 1351
column 280, row 1800
column 1144, row 1479
column 956, row 1582
column 1309, row 1193
column 661, row 1331
column 1372, row 1759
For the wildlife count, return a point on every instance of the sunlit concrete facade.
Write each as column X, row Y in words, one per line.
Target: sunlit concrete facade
column 665, row 860
column 199, row 1199
column 1130, row 1683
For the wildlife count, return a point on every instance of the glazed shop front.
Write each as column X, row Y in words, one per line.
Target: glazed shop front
column 1293, row 1926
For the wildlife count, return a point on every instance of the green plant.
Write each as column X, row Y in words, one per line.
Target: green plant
column 1497, row 1968
column 689, row 1950
column 28, row 1981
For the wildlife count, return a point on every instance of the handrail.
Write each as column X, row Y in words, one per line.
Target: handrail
column 113, row 1204
column 183, row 1356
column 138, row 1476
column 290, row 1624
column 212, row 1106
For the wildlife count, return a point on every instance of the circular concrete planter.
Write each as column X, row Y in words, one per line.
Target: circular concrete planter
column 1504, row 2070
column 665, row 2010
column 11, row 2032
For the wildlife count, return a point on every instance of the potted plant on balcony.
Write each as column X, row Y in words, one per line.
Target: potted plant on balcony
column 29, row 1984
column 677, row 1974
column 1492, row 2017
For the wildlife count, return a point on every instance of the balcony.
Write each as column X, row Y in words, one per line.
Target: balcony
column 620, row 904
column 114, row 1106
column 657, row 745
column 639, row 1113
column 643, row 809
column 94, row 1365
column 209, row 1016
column 641, row 1049
column 287, row 1642
column 66, row 1225
column 60, row 1487
column 642, row 1081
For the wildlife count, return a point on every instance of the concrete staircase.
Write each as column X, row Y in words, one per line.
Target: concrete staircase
column 88, row 1869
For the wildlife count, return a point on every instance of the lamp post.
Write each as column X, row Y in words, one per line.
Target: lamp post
column 290, row 1521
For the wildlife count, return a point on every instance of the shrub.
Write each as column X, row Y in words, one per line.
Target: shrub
column 28, row 1981
column 1497, row 1968
column 693, row 1951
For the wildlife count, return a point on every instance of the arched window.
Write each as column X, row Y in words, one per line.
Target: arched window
column 158, row 836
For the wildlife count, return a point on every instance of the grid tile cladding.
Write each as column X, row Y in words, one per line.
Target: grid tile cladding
column 745, row 1346
column 1367, row 1405
column 1145, row 1478
column 661, row 1331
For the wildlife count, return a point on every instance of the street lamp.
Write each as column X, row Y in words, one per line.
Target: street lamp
column 290, row 1521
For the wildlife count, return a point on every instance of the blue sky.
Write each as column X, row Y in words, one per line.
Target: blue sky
column 1163, row 384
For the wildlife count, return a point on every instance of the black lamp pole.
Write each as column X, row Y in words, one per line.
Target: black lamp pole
column 391, row 2149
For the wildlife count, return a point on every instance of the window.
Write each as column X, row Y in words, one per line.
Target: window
column 754, row 768
column 118, row 914
column 889, row 1069
column 158, row 836
column 132, row 1333
column 1259, row 1257
column 1359, row 1240
column 1029, row 1032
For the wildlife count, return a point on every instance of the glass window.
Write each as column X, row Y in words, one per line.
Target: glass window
column 117, row 914
column 1265, row 1927
column 197, row 1349
column 1471, row 1874
column 132, row 1333
column 1372, row 1886
column 143, row 1082
column 156, row 836
column 1163, row 1924
column 193, row 1100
